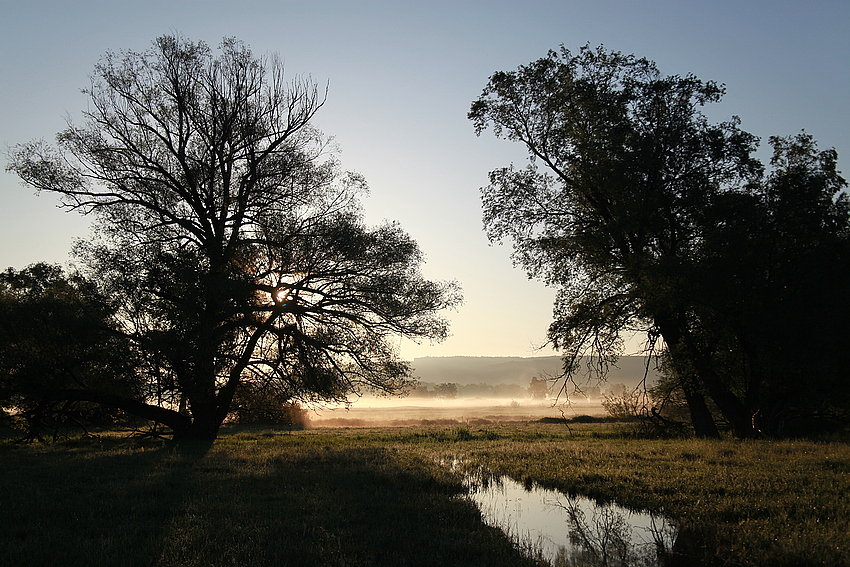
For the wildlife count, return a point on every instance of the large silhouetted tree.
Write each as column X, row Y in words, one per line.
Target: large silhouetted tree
column 232, row 236
column 770, row 295
column 647, row 217
column 612, row 221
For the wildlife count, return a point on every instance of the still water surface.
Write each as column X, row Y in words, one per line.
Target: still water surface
column 571, row 530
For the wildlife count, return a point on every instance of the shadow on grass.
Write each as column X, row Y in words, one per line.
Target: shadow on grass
column 90, row 503
column 120, row 505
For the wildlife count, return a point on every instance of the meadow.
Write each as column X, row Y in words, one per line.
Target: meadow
column 383, row 496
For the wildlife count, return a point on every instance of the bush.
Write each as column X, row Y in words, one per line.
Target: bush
column 626, row 404
column 253, row 404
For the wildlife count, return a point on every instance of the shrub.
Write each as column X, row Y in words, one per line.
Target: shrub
column 253, row 404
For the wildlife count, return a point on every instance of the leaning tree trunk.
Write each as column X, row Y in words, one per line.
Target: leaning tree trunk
column 734, row 410
column 701, row 418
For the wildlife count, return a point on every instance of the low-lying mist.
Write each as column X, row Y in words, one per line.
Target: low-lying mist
column 395, row 411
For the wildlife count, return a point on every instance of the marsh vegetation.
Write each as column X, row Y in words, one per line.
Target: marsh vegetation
column 379, row 496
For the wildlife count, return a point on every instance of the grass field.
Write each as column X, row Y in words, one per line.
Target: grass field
column 378, row 496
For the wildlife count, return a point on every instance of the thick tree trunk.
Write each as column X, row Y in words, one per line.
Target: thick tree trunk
column 733, row 409
column 701, row 418
column 205, row 420
column 200, row 429
column 208, row 408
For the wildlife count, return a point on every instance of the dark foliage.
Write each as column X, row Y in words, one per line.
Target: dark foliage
column 254, row 405
column 231, row 236
column 57, row 333
column 648, row 218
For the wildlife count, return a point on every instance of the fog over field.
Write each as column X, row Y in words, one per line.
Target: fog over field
column 468, row 411
column 628, row 370
column 485, row 389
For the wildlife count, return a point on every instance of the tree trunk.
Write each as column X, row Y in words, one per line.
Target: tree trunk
column 732, row 409
column 204, row 425
column 730, row 405
column 701, row 418
column 198, row 430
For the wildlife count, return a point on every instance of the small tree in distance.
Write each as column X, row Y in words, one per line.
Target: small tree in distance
column 538, row 389
column 231, row 236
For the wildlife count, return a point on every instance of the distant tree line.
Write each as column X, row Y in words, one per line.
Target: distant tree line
column 451, row 390
column 538, row 389
column 648, row 217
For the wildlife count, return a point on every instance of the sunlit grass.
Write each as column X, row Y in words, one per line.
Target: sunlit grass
column 380, row 496
column 752, row 503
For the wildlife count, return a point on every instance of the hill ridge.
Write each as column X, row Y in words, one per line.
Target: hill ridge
column 629, row 370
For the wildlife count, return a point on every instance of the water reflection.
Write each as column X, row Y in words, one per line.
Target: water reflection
column 572, row 530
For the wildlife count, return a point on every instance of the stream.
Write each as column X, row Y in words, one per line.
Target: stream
column 571, row 530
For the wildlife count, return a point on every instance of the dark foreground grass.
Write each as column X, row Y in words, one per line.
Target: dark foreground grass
column 378, row 497
column 272, row 499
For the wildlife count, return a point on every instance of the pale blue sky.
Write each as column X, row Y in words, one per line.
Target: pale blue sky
column 402, row 76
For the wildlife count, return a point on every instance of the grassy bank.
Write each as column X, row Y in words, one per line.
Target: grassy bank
column 743, row 503
column 377, row 496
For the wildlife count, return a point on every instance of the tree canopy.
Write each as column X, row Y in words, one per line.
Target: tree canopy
column 231, row 235
column 57, row 333
column 640, row 210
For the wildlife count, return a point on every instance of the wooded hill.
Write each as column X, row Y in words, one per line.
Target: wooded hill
column 519, row 370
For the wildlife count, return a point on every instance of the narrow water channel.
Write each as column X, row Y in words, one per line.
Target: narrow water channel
column 571, row 530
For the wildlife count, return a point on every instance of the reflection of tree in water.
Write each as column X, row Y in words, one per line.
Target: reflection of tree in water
column 595, row 535
column 606, row 539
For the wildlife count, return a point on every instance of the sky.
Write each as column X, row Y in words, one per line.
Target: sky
column 401, row 76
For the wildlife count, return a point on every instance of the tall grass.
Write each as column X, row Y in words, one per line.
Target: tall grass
column 380, row 497
column 779, row 503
